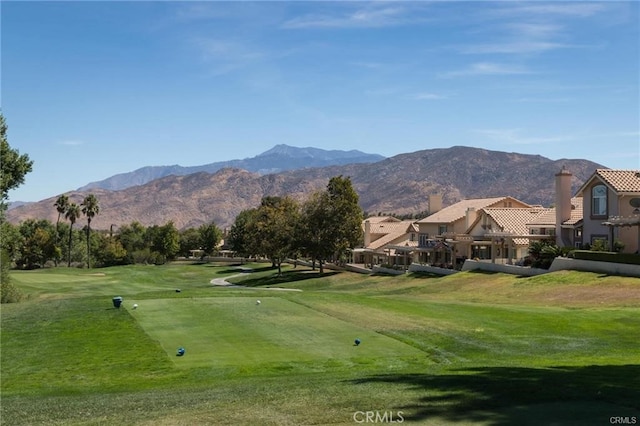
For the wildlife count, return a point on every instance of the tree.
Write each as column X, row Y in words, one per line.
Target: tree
column 345, row 216
column 331, row 221
column 132, row 237
column 13, row 166
column 189, row 240
column 90, row 208
column 110, row 251
column 210, row 236
column 61, row 205
column 8, row 292
column 313, row 228
column 72, row 214
column 164, row 240
column 38, row 243
column 238, row 238
column 273, row 229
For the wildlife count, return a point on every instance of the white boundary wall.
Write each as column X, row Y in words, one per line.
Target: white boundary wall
column 471, row 265
column 431, row 269
column 560, row 263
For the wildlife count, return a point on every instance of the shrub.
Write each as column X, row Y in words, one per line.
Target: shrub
column 9, row 293
column 618, row 246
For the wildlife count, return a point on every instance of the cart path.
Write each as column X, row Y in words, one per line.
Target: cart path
column 222, row 282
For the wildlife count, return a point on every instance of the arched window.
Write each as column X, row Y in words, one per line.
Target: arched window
column 599, row 200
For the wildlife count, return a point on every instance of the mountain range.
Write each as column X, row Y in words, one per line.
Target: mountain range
column 399, row 184
column 278, row 159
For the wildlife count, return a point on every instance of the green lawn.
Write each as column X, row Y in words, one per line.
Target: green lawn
column 235, row 332
column 473, row 348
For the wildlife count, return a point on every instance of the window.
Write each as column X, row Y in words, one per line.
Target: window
column 599, row 200
column 442, row 229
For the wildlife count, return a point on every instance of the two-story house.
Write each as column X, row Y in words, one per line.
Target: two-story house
column 611, row 209
column 444, row 238
column 386, row 240
column 501, row 233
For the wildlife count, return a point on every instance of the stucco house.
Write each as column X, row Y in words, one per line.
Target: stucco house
column 445, row 238
column 544, row 224
column 611, row 209
column 386, row 240
column 501, row 233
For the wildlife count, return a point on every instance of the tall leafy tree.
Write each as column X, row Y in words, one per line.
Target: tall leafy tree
column 164, row 240
column 13, row 166
column 331, row 221
column 345, row 216
column 313, row 228
column 72, row 215
column 238, row 238
column 273, row 229
column 210, row 236
column 189, row 240
column 132, row 237
column 90, row 208
column 38, row 243
column 61, row 205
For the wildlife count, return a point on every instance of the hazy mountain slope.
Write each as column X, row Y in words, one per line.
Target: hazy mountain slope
column 277, row 159
column 400, row 184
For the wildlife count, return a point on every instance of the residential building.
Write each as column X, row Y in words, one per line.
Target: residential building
column 501, row 233
column 444, row 236
column 611, row 207
column 387, row 240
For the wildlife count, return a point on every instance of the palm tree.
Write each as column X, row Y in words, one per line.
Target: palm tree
column 72, row 214
column 90, row 208
column 61, row 205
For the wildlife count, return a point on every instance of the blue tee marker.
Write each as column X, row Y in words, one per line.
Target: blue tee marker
column 180, row 352
column 357, row 342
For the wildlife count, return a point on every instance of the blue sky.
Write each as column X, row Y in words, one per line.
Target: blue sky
column 92, row 89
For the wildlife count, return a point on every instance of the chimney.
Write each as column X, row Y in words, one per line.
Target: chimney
column 367, row 233
column 563, row 203
column 470, row 217
column 435, row 203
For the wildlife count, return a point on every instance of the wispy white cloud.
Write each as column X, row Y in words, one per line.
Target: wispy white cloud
column 371, row 15
column 385, row 91
column 526, row 28
column 71, row 142
column 544, row 100
column 225, row 56
column 488, row 68
column 551, row 9
column 369, row 65
column 425, row 96
column 516, row 137
column 515, row 47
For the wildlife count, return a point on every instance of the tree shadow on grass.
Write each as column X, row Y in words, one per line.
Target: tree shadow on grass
column 246, row 269
column 515, row 395
column 287, row 277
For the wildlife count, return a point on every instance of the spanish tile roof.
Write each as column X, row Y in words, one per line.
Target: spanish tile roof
column 392, row 231
column 458, row 210
column 514, row 220
column 377, row 219
column 547, row 218
column 576, row 211
column 620, row 181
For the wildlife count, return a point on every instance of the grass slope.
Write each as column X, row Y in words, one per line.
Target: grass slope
column 471, row 348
